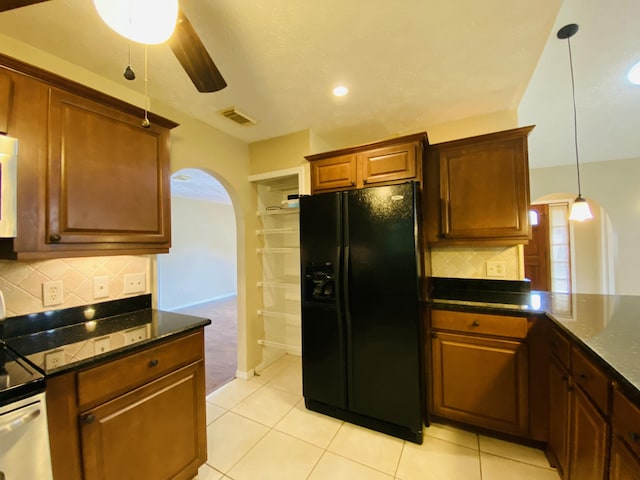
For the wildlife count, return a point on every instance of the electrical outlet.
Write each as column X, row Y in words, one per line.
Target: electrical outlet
column 135, row 283
column 496, row 269
column 54, row 359
column 101, row 345
column 52, row 293
column 135, row 335
column 100, row 287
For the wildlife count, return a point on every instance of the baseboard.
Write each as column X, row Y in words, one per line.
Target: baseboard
column 200, row 302
column 242, row 375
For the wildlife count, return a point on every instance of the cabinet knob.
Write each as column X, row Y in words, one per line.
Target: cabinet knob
column 582, row 376
column 476, row 323
column 89, row 419
column 634, row 436
column 55, row 237
column 154, row 362
column 434, row 335
column 565, row 378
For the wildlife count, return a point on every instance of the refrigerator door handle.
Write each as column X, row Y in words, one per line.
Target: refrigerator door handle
column 345, row 283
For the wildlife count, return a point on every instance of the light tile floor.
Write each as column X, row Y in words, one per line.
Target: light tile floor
column 260, row 430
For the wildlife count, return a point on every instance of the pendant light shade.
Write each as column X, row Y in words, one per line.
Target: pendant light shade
column 580, row 210
column 143, row 21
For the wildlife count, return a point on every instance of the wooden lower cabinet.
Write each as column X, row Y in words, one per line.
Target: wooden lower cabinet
column 150, row 424
column 481, row 381
column 588, row 447
column 136, row 435
column 559, row 396
column 624, row 465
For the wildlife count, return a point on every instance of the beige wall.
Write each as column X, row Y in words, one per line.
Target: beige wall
column 612, row 184
column 201, row 266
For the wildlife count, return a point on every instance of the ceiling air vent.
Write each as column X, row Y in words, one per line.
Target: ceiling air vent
column 240, row 118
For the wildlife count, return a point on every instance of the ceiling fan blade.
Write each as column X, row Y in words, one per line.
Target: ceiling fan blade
column 193, row 57
column 11, row 4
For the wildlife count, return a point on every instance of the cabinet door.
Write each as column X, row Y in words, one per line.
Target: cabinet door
column 156, row 431
column 624, row 464
column 559, row 416
column 388, row 164
column 6, row 91
column 588, row 439
column 484, row 188
column 333, row 173
column 481, row 381
column 107, row 177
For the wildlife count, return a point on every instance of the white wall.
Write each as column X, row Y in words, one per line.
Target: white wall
column 201, row 265
column 615, row 185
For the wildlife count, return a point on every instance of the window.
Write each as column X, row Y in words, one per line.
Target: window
column 560, row 248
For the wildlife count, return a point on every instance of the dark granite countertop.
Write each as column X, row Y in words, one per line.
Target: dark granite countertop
column 64, row 340
column 606, row 325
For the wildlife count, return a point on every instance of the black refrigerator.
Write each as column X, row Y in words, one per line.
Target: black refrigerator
column 361, row 328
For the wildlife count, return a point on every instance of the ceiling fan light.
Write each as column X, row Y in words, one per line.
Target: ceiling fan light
column 580, row 210
column 634, row 74
column 144, row 21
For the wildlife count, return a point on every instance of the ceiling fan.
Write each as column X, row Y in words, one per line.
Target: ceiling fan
column 185, row 44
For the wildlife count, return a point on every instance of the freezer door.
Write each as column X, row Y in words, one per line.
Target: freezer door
column 323, row 350
column 382, row 313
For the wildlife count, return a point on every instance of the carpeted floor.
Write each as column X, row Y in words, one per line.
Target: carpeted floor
column 220, row 339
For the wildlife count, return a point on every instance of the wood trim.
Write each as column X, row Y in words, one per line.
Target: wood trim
column 416, row 137
column 64, row 437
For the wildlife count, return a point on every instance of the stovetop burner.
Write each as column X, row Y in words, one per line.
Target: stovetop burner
column 18, row 378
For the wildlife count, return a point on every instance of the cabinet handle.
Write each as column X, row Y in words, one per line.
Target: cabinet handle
column 434, row 335
column 476, row 323
column 55, row 237
column 582, row 376
column 565, row 378
column 154, row 362
column 89, row 419
column 634, row 437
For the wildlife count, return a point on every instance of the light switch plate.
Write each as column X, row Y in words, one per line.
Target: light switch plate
column 100, row 287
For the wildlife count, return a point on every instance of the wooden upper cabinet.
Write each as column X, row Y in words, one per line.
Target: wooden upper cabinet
column 479, row 189
column 107, row 176
column 389, row 164
column 335, row 173
column 391, row 161
column 91, row 180
column 6, row 92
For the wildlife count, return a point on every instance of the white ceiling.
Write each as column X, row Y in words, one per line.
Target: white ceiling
column 408, row 65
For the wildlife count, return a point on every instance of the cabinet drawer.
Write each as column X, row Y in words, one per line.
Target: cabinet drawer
column 111, row 379
column 500, row 325
column 591, row 380
column 560, row 347
column 626, row 421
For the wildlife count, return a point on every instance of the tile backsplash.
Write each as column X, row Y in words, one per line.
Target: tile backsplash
column 466, row 262
column 21, row 282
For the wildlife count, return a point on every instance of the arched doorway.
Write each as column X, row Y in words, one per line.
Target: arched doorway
column 199, row 275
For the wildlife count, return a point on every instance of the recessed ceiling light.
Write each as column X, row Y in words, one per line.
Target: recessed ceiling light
column 634, row 74
column 340, row 91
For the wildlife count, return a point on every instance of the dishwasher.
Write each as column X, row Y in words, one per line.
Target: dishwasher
column 24, row 435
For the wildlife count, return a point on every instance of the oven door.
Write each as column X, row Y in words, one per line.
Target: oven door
column 24, row 440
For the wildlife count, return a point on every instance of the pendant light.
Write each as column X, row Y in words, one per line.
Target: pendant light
column 580, row 210
column 143, row 21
